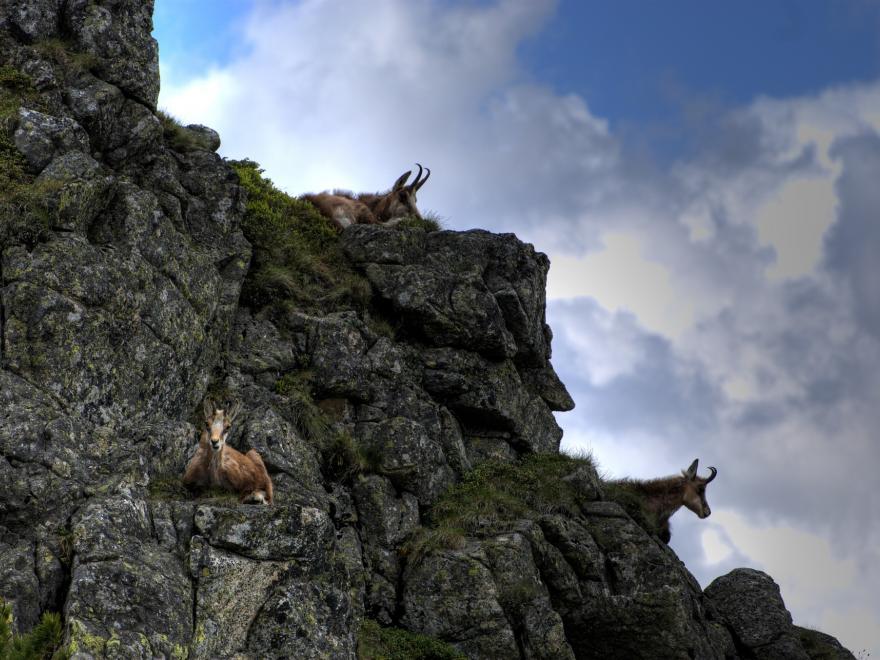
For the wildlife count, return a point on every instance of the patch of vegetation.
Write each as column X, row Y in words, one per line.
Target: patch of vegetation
column 495, row 494
column 378, row 643
column 633, row 503
column 428, row 222
column 43, row 642
column 64, row 53
column 178, row 136
column 170, row 488
column 16, row 86
column 24, row 205
column 382, row 326
column 65, row 545
column 341, row 457
column 817, row 644
column 296, row 387
column 297, row 260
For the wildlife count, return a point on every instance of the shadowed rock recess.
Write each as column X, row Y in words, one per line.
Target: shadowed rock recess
column 122, row 266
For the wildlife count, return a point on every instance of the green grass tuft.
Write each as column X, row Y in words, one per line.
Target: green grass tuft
column 63, row 53
column 170, row 488
column 633, row 503
column 297, row 261
column 428, row 222
column 43, row 642
column 494, row 495
column 342, row 458
column 296, row 387
column 178, row 136
column 24, row 205
column 378, row 643
column 65, row 545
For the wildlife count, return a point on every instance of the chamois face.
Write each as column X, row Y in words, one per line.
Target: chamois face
column 398, row 204
column 218, row 423
column 694, row 496
column 400, row 201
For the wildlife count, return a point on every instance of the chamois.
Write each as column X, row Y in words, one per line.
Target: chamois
column 345, row 208
column 664, row 496
column 217, row 464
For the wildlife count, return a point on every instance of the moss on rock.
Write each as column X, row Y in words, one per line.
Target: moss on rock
column 376, row 642
column 494, row 495
column 297, row 261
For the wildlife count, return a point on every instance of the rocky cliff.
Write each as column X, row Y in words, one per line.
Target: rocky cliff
column 397, row 383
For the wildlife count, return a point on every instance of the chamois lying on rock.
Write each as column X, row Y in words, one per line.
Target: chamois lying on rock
column 345, row 208
column 217, row 464
column 663, row 497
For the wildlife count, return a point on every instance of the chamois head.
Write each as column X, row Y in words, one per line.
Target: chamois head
column 218, row 422
column 694, row 496
column 400, row 201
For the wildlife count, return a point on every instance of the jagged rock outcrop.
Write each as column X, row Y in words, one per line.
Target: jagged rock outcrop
column 748, row 602
column 120, row 311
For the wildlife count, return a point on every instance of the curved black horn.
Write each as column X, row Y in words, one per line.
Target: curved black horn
column 416, row 180
column 714, row 473
column 422, row 182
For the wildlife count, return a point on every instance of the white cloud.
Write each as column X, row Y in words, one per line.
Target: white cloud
column 803, row 563
column 715, row 546
column 620, row 278
column 794, row 222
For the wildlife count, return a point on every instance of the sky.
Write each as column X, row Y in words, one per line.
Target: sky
column 703, row 177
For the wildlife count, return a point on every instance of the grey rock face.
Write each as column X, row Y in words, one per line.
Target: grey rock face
column 126, row 591
column 820, row 646
column 386, row 521
column 267, row 583
column 452, row 595
column 118, row 34
column 588, row 587
column 749, row 603
column 206, row 135
column 33, row 20
column 40, row 137
column 472, row 290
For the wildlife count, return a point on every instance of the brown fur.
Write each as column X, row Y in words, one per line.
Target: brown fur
column 225, row 467
column 664, row 496
column 341, row 209
column 345, row 208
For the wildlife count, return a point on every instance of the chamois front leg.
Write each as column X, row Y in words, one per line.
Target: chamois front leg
column 263, row 489
column 198, row 470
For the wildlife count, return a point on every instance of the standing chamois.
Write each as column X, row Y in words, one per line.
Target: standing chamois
column 663, row 497
column 344, row 208
column 217, row 464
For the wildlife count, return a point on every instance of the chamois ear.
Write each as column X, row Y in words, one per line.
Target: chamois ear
column 691, row 472
column 208, row 410
column 401, row 181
